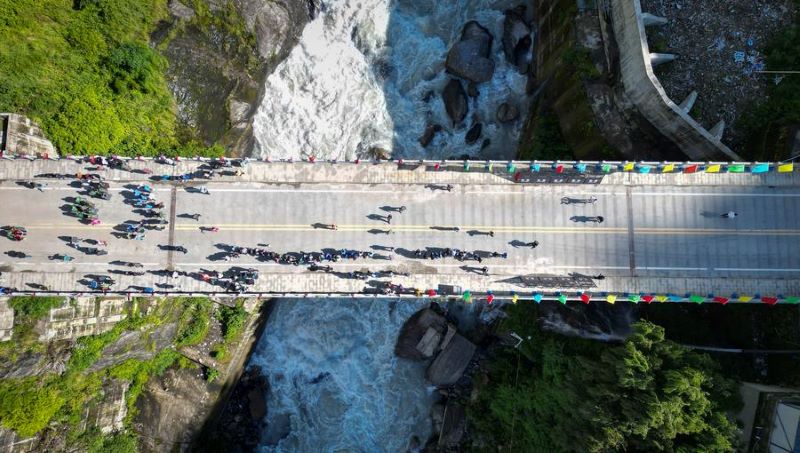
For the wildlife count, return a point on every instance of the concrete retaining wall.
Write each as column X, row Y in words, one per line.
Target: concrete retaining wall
column 645, row 91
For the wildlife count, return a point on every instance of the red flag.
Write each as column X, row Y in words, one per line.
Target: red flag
column 516, row 176
column 436, row 166
column 585, row 298
column 648, row 298
column 721, row 300
column 559, row 169
column 490, row 298
column 690, row 169
column 769, row 300
column 431, row 292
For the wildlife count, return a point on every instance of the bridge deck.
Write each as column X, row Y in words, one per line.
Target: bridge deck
column 661, row 234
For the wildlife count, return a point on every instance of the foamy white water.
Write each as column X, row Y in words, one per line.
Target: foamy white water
column 335, row 382
column 361, row 77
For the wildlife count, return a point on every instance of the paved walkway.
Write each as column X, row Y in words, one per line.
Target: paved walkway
column 660, row 234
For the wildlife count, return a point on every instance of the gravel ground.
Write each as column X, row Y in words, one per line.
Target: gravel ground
column 706, row 36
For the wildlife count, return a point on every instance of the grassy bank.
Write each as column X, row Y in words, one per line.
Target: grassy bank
column 83, row 69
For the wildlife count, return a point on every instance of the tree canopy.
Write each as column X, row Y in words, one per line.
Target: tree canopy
column 647, row 394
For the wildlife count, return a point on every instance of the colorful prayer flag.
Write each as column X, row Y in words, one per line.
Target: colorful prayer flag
column 721, row 300
column 769, row 300
column 786, row 168
column 644, row 169
column 514, row 299
column 559, row 168
column 580, row 167
column 736, row 168
column 713, row 168
column 562, row 298
column 536, row 167
column 466, row 166
column 697, row 299
column 511, row 167
column 585, row 298
column 606, row 168
column 745, row 298
column 611, row 299
column 634, row 298
column 661, row 298
column 690, row 168
column 537, row 298
column 793, row 300
column 759, row 168
column 668, row 168
column 647, row 298
column 628, row 166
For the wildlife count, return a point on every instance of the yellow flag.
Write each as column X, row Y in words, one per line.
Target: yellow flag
column 745, row 298
column 669, row 168
column 628, row 166
column 786, row 168
column 713, row 168
column 611, row 298
column 514, row 298
column 661, row 298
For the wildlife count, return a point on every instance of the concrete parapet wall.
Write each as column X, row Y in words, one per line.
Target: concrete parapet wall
column 645, row 91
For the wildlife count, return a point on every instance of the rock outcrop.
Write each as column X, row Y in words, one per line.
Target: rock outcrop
column 429, row 134
column 447, row 368
column 517, row 38
column 421, row 335
column 507, row 113
column 473, row 134
column 215, row 75
column 470, row 57
column 455, row 101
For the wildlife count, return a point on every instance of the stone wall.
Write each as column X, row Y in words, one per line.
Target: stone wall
column 20, row 135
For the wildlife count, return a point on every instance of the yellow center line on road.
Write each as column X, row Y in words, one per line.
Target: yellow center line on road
column 482, row 229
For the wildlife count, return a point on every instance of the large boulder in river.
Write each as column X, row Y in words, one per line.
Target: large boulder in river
column 470, row 57
column 517, row 38
column 473, row 134
column 421, row 335
column 455, row 101
column 507, row 113
column 447, row 368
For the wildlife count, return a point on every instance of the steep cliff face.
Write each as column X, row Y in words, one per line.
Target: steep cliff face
column 220, row 52
column 580, row 110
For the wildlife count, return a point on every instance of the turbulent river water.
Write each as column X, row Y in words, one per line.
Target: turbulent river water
column 369, row 73
column 366, row 74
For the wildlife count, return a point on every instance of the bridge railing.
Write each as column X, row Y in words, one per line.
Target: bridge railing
column 464, row 296
column 489, row 166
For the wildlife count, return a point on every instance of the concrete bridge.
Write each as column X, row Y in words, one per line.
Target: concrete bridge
column 661, row 239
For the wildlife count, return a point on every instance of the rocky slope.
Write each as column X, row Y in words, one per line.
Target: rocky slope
column 219, row 53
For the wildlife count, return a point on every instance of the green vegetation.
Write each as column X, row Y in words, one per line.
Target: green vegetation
column 138, row 372
column 232, row 321
column 769, row 124
column 547, row 142
column 33, row 308
column 117, row 443
column 212, row 374
column 194, row 321
column 27, row 406
column 563, row 394
column 85, row 72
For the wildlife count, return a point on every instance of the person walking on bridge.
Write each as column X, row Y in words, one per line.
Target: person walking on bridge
column 533, row 244
column 729, row 215
column 389, row 219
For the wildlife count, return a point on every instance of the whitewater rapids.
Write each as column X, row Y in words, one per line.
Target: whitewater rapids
column 369, row 74
column 335, row 383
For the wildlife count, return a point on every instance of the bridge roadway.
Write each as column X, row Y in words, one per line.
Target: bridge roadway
column 661, row 234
